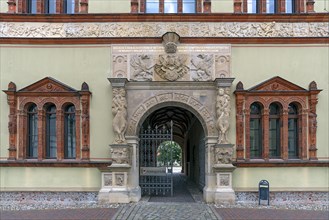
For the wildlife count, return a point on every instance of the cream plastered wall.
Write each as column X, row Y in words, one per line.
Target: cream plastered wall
column 50, row 179
column 3, row 6
column 72, row 65
column 109, row 6
column 321, row 6
column 222, row 6
column 282, row 179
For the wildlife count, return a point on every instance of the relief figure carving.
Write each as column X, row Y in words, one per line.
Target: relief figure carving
column 223, row 109
column 120, row 155
column 223, row 155
column 142, row 68
column 203, row 64
column 119, row 111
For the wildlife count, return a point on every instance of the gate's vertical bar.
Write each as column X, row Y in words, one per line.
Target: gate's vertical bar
column 171, row 137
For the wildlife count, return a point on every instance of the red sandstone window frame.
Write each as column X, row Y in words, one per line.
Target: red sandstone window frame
column 42, row 93
column 277, row 90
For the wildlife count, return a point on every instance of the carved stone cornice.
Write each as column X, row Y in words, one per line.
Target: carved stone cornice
column 249, row 29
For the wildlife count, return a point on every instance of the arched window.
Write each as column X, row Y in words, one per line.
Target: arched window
column 255, row 131
column 271, row 6
column 51, row 142
column 252, row 6
column 274, row 131
column 50, row 6
column 69, row 6
column 69, row 132
column 31, row 6
column 293, row 138
column 32, row 132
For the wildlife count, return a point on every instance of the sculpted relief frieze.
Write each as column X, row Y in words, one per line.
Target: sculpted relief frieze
column 187, row 63
column 157, row 29
column 190, row 102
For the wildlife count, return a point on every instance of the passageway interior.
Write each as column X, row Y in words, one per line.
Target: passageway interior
column 188, row 133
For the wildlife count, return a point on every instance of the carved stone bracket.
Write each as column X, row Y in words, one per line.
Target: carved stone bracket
column 121, row 155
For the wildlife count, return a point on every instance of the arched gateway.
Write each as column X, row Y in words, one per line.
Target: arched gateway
column 186, row 84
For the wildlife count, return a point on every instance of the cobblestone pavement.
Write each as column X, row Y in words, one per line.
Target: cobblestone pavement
column 166, row 211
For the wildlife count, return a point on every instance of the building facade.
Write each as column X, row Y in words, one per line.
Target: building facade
column 244, row 84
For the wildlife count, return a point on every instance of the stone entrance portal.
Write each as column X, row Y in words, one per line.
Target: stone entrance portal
column 154, row 79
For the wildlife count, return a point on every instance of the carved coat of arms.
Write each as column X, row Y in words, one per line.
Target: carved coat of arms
column 171, row 67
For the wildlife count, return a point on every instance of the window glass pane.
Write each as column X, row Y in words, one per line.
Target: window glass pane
column 270, row 6
column 292, row 137
column 51, row 132
column 255, row 138
column 32, row 148
column 170, row 6
column 189, row 6
column 32, row 6
column 252, row 6
column 52, row 6
column 152, row 6
column 289, row 6
column 69, row 6
column 70, row 140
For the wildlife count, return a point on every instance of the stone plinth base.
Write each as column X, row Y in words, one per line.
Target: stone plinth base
column 113, row 196
column 225, row 196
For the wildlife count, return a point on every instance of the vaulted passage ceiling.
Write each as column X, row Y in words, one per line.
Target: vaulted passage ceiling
column 182, row 120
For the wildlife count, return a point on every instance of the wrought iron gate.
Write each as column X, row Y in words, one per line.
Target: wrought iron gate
column 155, row 161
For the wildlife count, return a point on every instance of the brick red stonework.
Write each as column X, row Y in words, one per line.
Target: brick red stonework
column 283, row 92
column 41, row 93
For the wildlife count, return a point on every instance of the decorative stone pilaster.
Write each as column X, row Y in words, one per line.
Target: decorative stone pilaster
column 223, row 168
column 239, row 122
column 312, row 119
column 134, row 6
column 11, row 6
column 310, row 6
column 119, row 109
column 237, row 6
column 207, row 6
column 83, row 6
column 223, row 109
column 85, row 102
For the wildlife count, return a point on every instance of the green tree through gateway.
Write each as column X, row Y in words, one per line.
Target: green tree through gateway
column 164, row 152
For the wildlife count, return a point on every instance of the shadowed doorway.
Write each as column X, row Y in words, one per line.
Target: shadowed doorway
column 188, row 134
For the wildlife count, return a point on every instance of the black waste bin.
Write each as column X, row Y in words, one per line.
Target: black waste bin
column 264, row 191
